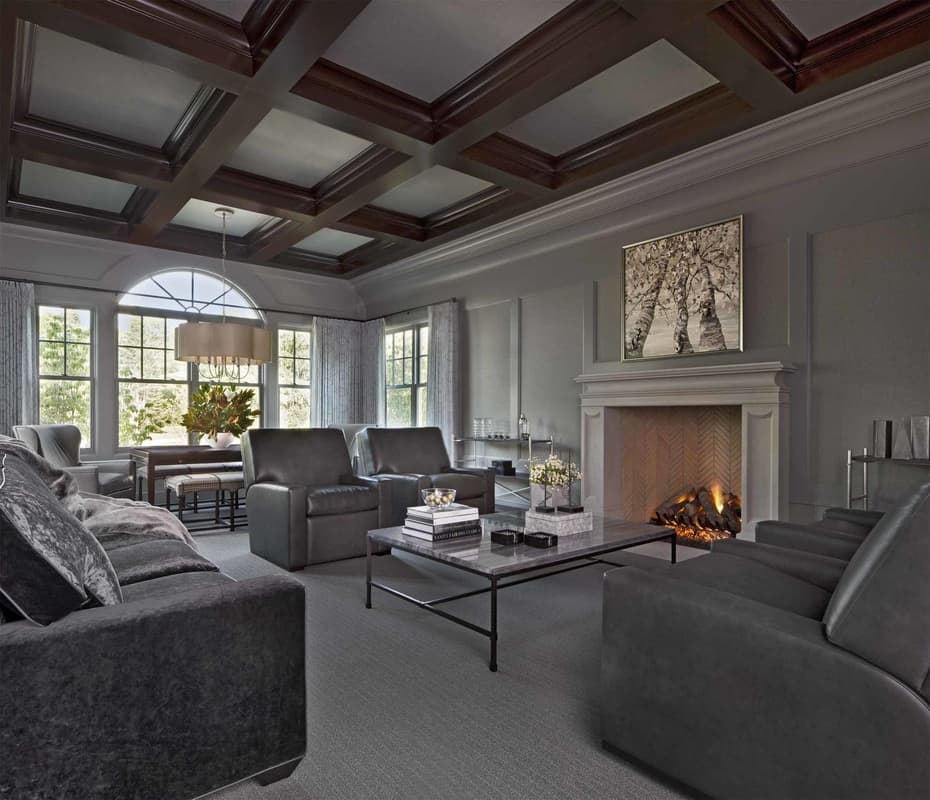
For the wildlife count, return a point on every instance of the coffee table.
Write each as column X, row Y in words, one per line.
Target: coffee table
column 501, row 563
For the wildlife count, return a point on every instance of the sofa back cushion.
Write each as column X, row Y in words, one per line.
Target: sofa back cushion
column 60, row 445
column 881, row 607
column 296, row 457
column 420, row 451
column 50, row 564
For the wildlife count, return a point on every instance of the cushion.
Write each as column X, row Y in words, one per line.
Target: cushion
column 404, row 450
column 114, row 482
column 174, row 584
column 149, row 560
column 50, row 564
column 754, row 581
column 342, row 499
column 466, row 486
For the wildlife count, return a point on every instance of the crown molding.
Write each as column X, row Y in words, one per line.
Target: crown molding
column 883, row 101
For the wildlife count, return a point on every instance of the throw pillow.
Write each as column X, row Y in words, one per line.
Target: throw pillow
column 50, row 564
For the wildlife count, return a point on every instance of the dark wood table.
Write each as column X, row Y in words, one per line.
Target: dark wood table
column 480, row 556
column 161, row 461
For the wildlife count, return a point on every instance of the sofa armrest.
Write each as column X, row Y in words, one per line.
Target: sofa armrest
column 739, row 699
column 207, row 685
column 383, row 485
column 278, row 523
column 488, row 474
column 857, row 515
column 403, row 491
column 819, row 570
column 821, row 541
column 86, row 476
column 126, row 465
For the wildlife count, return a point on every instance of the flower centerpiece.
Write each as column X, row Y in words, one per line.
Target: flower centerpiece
column 220, row 413
column 553, row 471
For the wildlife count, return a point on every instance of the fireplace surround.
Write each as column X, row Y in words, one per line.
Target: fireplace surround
column 757, row 392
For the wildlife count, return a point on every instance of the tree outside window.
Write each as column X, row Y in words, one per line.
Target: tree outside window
column 294, row 378
column 406, row 363
column 66, row 377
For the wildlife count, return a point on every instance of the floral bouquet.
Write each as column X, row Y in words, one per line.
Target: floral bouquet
column 553, row 471
column 218, row 409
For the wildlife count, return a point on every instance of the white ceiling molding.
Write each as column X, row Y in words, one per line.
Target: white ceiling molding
column 783, row 147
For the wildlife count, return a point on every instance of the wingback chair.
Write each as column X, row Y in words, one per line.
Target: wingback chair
column 304, row 504
column 415, row 459
column 767, row 672
column 61, row 446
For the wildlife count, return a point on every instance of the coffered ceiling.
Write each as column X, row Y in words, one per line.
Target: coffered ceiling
column 350, row 134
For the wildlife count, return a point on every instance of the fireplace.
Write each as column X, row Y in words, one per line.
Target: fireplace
column 701, row 516
column 651, row 434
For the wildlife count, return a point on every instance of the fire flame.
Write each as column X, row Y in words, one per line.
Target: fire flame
column 716, row 492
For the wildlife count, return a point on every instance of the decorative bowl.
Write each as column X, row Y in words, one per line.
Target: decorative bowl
column 438, row 499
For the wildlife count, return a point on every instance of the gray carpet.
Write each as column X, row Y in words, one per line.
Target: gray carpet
column 401, row 703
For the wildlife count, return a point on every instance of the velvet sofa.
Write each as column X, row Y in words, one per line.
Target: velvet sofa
column 413, row 459
column 193, row 682
column 769, row 673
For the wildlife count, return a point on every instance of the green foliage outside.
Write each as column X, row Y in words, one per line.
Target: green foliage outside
column 64, row 352
column 219, row 408
column 294, row 378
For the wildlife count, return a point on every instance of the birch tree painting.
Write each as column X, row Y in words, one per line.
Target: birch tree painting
column 682, row 293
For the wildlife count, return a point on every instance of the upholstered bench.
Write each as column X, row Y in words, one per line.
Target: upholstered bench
column 218, row 482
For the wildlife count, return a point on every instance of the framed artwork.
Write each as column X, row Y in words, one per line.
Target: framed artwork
column 683, row 293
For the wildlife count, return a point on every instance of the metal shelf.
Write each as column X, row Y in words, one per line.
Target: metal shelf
column 865, row 458
column 913, row 462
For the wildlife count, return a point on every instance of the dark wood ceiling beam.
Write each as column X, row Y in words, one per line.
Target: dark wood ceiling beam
column 181, row 38
column 508, row 155
column 313, row 27
column 371, row 163
column 262, row 195
column 471, row 209
column 201, row 243
column 53, row 215
column 202, row 113
column 370, row 253
column 315, row 263
column 49, row 142
column 11, row 46
column 371, row 219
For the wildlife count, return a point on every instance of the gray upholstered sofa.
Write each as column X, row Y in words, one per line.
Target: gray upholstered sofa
column 765, row 672
column 61, row 446
column 415, row 459
column 193, row 682
column 305, row 505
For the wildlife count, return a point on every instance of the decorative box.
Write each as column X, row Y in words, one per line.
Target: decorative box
column 558, row 523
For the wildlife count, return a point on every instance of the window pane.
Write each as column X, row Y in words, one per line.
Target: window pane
column 302, row 344
column 130, row 329
column 421, row 406
column 176, row 370
column 285, row 370
column 408, row 370
column 78, row 325
column 295, row 408
column 79, row 360
column 130, row 362
column 424, row 340
column 285, row 343
column 153, row 332
column 51, row 358
column 424, row 367
column 66, row 402
column 398, row 408
column 51, row 323
column 408, row 343
column 302, row 371
column 153, row 364
column 171, row 325
column 151, row 414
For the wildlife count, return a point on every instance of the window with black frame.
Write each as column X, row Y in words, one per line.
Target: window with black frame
column 66, row 368
column 406, row 352
column 293, row 378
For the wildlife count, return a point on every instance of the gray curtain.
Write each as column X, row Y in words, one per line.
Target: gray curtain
column 336, row 372
column 19, row 372
column 372, row 374
column 443, row 386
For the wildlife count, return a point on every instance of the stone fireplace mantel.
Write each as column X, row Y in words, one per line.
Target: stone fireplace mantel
column 760, row 389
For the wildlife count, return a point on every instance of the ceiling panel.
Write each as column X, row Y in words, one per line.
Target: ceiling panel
column 425, row 47
column 817, row 17
column 199, row 214
column 645, row 82
column 296, row 150
column 431, row 191
column 234, row 9
column 75, row 188
column 329, row 242
column 86, row 86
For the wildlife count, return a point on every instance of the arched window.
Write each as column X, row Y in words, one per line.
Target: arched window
column 154, row 388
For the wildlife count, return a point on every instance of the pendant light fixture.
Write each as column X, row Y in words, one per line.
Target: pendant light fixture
column 222, row 349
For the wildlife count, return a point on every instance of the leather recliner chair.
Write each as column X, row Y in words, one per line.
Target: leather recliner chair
column 415, row 459
column 766, row 672
column 60, row 445
column 304, row 504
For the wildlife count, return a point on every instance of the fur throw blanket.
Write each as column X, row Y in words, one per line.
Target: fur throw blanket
column 114, row 522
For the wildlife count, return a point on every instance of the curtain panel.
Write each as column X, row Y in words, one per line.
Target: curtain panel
column 443, row 387
column 372, row 391
column 336, row 377
column 19, row 370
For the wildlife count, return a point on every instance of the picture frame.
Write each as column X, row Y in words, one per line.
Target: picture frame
column 682, row 293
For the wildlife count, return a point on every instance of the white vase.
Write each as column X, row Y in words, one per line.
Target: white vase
column 222, row 441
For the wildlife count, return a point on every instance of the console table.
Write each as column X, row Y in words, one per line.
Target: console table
column 164, row 460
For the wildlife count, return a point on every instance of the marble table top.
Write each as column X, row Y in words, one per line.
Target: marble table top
column 479, row 554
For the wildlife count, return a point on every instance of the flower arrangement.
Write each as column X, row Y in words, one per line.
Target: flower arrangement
column 216, row 409
column 554, row 472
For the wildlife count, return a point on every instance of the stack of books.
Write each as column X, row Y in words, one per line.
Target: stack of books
column 439, row 525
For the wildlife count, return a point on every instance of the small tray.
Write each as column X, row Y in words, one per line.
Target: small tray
column 506, row 536
column 541, row 539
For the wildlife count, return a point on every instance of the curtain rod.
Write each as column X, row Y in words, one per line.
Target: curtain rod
column 118, row 292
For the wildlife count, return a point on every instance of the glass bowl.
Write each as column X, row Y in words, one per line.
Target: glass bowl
column 438, row 499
